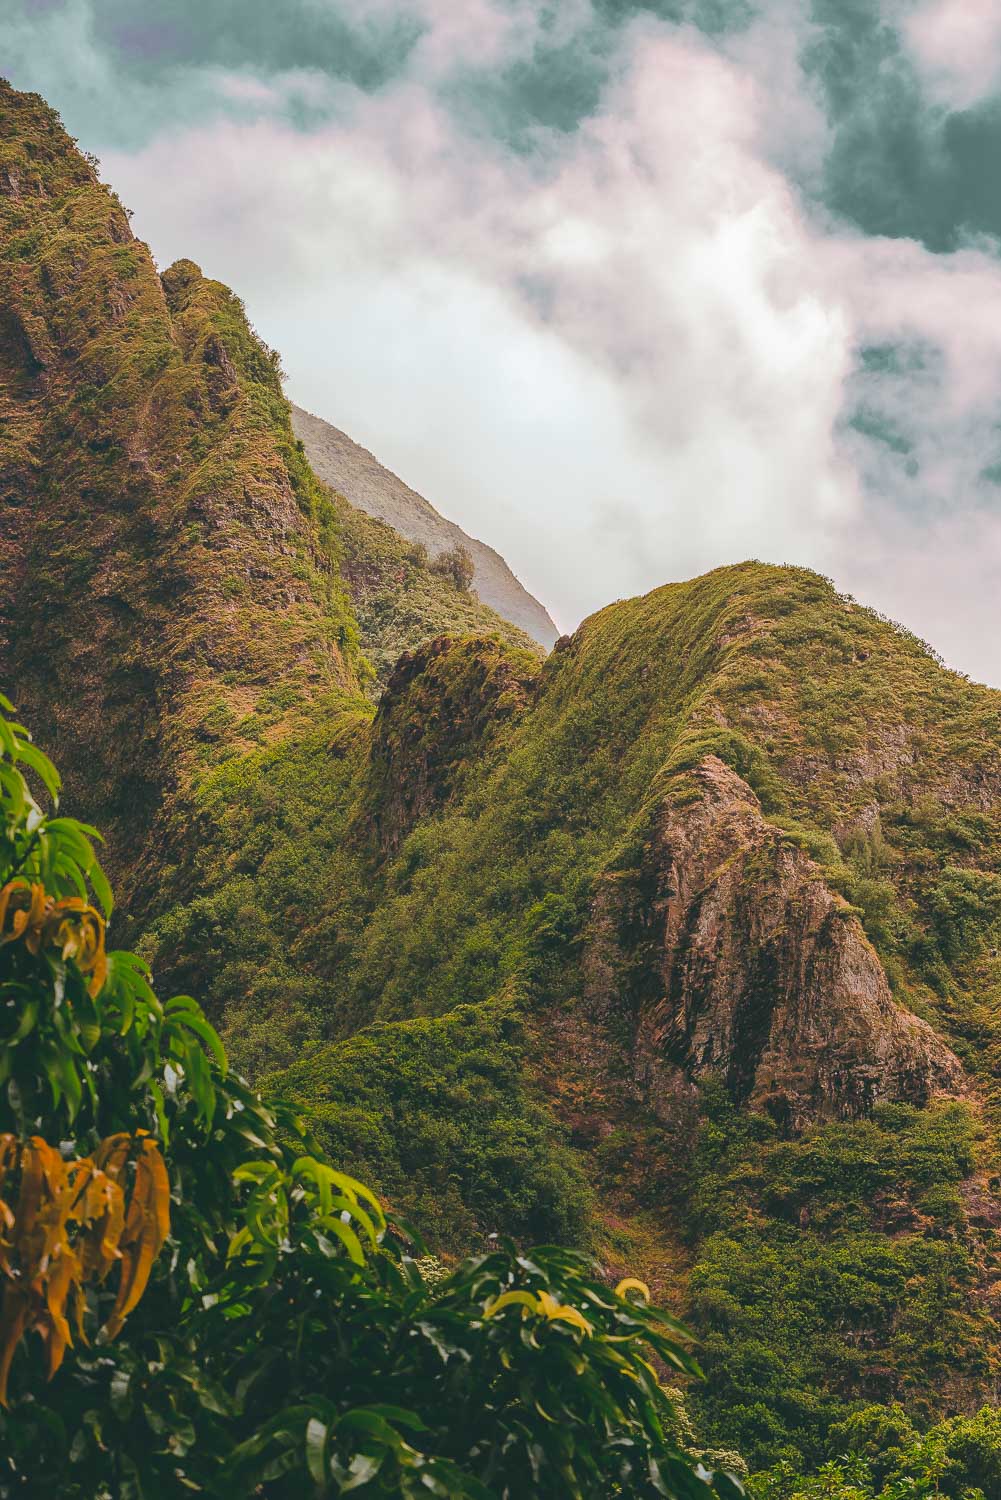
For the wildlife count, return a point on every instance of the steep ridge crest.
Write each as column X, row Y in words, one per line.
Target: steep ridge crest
column 663, row 945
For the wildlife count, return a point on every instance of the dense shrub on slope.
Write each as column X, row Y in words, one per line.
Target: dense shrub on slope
column 440, row 1112
column 503, row 882
column 836, row 1268
column 400, row 597
column 470, row 856
column 880, row 1456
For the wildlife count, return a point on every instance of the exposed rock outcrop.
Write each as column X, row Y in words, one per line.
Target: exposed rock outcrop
column 742, row 962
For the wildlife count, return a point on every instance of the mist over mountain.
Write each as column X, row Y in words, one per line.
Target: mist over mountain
column 352, row 470
column 678, row 945
column 677, row 282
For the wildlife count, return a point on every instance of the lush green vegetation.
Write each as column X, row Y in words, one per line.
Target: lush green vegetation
column 806, row 1311
column 281, row 1282
column 401, row 598
column 399, row 917
column 833, row 1268
column 618, row 722
column 441, row 1114
column 251, row 1323
column 456, row 564
column 882, row 1457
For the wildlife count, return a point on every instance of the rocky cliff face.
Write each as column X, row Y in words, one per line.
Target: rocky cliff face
column 161, row 532
column 356, row 474
column 744, row 964
column 714, row 892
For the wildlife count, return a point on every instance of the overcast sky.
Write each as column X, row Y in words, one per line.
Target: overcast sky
column 627, row 290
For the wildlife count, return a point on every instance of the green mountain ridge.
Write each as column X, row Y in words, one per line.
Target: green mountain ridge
column 369, row 486
column 681, row 944
column 400, row 597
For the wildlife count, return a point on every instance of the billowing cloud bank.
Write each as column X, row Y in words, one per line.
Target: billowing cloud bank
column 622, row 347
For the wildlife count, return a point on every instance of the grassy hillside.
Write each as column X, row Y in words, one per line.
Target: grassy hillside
column 167, row 540
column 479, row 830
column 862, row 749
column 400, row 600
column 682, row 943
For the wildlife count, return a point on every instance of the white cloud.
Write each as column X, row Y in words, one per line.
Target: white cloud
column 483, row 33
column 957, row 46
column 625, row 357
column 624, row 322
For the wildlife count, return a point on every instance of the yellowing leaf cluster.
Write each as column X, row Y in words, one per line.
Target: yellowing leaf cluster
column 543, row 1305
column 28, row 913
column 63, row 1226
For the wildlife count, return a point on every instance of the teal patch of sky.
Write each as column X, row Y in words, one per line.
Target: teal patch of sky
column 156, row 57
column 711, row 16
column 555, row 88
column 257, row 34
column 899, row 165
column 890, row 394
column 148, row 70
column 561, row 83
column 874, row 424
column 910, row 358
column 890, row 405
column 990, row 475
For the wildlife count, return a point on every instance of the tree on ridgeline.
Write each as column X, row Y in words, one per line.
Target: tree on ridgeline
column 456, row 564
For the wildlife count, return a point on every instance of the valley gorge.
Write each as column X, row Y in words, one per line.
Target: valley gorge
column 677, row 942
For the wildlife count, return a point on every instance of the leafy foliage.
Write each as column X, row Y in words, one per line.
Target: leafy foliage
column 401, row 599
column 269, row 1332
column 456, row 564
column 881, row 1456
column 834, row 1264
column 48, row 1265
column 439, row 1113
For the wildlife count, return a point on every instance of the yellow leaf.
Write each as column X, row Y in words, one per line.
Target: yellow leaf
column 147, row 1225
column 560, row 1311
column 70, row 925
column 510, row 1299
column 632, row 1285
column 68, row 1227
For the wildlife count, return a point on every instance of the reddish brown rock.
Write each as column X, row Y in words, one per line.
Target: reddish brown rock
column 740, row 961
